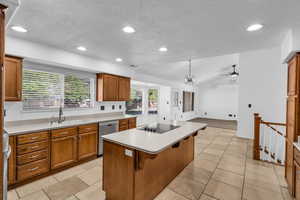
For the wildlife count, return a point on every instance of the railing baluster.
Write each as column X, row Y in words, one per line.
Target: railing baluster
column 269, row 141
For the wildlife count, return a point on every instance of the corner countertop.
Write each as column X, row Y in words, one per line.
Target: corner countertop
column 29, row 126
column 153, row 143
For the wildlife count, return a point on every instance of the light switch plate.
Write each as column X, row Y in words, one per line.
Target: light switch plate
column 128, row 153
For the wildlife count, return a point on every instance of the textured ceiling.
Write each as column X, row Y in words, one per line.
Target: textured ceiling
column 191, row 28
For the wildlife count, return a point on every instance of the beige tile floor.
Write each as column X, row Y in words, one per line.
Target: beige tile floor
column 223, row 169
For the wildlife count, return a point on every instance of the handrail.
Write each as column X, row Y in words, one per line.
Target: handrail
column 273, row 123
column 256, row 143
column 274, row 129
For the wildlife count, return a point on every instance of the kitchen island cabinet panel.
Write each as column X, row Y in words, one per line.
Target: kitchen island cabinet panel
column 139, row 175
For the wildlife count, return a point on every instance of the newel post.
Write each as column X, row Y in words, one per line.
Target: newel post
column 256, row 148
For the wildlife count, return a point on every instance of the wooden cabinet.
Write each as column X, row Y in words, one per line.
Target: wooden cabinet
column 88, row 141
column 13, row 78
column 297, row 181
column 124, row 89
column 12, row 161
column 63, row 151
column 112, row 88
column 289, row 168
column 292, row 119
column 293, row 76
column 125, row 124
column 87, row 145
column 43, row 153
column 32, row 155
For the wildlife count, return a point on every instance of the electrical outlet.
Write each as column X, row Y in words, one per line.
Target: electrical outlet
column 113, row 107
column 102, row 108
column 128, row 153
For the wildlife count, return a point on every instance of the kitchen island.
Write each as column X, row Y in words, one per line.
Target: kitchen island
column 139, row 164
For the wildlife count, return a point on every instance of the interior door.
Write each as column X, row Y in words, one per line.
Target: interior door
column 2, row 34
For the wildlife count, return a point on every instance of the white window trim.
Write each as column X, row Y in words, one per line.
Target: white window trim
column 62, row 77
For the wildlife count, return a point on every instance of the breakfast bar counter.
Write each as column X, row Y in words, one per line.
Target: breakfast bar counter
column 138, row 164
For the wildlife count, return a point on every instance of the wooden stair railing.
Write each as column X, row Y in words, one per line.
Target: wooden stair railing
column 257, row 147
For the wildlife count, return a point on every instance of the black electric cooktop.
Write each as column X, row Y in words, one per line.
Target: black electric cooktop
column 159, row 128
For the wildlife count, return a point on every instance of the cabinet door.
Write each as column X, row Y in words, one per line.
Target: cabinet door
column 132, row 123
column 110, row 87
column 13, row 78
column 124, row 89
column 63, row 151
column 293, row 76
column 291, row 118
column 297, row 181
column 12, row 161
column 87, row 145
column 289, row 168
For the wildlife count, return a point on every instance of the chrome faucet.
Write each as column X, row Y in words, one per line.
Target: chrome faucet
column 61, row 118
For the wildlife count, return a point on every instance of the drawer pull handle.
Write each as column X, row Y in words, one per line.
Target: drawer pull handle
column 34, row 138
column 34, row 156
column 63, row 133
column 33, row 169
column 34, row 147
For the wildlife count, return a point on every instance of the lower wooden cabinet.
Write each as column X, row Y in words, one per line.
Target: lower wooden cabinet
column 297, row 181
column 42, row 153
column 289, row 168
column 12, row 161
column 63, row 151
column 87, row 144
column 32, row 169
column 125, row 124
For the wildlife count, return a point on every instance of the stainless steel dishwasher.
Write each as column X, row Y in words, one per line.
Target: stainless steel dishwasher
column 106, row 128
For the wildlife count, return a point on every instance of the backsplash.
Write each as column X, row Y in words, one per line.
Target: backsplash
column 14, row 111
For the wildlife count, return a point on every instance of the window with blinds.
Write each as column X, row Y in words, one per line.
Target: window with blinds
column 47, row 90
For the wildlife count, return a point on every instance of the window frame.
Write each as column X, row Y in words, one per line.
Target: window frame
column 62, row 74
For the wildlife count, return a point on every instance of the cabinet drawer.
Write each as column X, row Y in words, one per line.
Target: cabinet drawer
column 30, row 157
column 28, row 148
column 123, row 127
column 123, row 122
column 32, row 169
column 32, row 137
column 88, row 128
column 64, row 132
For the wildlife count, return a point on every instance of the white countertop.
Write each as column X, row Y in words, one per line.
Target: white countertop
column 29, row 126
column 297, row 145
column 153, row 143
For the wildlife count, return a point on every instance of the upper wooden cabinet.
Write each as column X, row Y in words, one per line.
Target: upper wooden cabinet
column 112, row 88
column 13, row 78
column 124, row 89
column 293, row 76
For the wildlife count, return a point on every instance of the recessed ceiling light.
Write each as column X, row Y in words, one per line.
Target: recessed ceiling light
column 19, row 29
column 119, row 59
column 254, row 27
column 128, row 29
column 81, row 48
column 163, row 49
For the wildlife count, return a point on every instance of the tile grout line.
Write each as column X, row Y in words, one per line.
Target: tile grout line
column 215, row 169
column 242, row 196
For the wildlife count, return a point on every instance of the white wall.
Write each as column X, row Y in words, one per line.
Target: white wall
column 290, row 44
column 262, row 83
column 217, row 102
